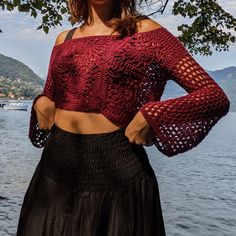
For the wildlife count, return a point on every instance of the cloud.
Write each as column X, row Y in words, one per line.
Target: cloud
column 23, row 27
column 6, row 13
column 229, row 6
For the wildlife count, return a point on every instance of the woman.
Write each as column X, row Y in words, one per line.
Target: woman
column 100, row 106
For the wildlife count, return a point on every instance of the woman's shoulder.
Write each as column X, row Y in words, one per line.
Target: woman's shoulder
column 142, row 26
column 147, row 25
column 61, row 37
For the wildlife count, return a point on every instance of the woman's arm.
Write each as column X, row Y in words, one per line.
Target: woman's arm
column 42, row 112
column 182, row 123
column 43, row 107
column 43, row 104
column 45, row 112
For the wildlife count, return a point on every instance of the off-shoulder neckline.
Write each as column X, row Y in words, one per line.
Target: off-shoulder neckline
column 105, row 36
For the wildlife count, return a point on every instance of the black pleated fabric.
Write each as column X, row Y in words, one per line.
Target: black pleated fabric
column 92, row 185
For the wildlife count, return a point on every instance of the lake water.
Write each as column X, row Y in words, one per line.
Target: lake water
column 197, row 188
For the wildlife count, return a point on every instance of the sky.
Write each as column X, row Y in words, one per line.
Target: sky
column 20, row 39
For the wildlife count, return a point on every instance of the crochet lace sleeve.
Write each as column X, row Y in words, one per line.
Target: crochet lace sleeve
column 181, row 123
column 36, row 135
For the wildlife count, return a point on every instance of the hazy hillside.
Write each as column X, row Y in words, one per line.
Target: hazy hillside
column 17, row 80
column 223, row 75
column 226, row 78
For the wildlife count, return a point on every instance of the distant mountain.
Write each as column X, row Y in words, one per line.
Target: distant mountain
column 226, row 78
column 223, row 75
column 17, row 80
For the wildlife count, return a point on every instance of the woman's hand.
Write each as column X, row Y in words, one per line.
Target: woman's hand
column 45, row 111
column 139, row 131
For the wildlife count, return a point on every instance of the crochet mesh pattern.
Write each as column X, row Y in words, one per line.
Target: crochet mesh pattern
column 119, row 77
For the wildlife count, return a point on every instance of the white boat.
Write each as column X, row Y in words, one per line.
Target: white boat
column 16, row 106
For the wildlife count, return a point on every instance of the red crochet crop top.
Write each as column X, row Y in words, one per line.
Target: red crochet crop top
column 119, row 77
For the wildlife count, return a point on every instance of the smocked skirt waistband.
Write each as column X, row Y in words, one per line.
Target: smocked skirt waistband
column 94, row 162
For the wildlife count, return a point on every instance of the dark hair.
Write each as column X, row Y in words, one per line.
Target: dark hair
column 124, row 18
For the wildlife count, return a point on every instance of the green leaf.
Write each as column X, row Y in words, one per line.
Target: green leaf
column 39, row 27
column 45, row 29
column 232, row 39
column 16, row 3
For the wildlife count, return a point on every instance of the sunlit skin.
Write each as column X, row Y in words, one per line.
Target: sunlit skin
column 137, row 131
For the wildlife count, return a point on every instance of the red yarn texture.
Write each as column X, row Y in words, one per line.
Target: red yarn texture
column 119, row 77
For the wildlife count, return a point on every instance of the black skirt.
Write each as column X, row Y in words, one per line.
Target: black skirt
column 92, row 185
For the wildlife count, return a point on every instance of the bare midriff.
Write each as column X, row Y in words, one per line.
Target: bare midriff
column 83, row 122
